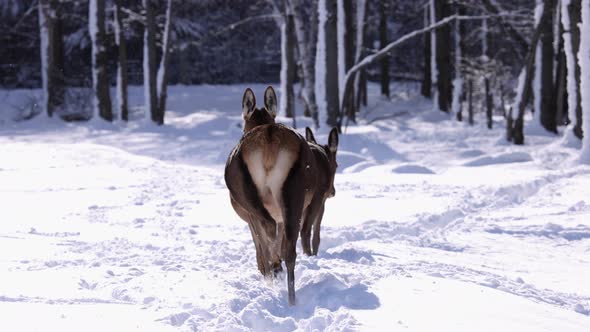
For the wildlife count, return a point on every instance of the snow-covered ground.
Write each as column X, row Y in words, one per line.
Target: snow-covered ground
column 436, row 226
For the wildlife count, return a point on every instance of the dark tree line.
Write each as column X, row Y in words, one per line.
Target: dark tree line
column 481, row 56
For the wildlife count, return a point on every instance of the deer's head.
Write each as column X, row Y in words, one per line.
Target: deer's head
column 330, row 151
column 258, row 116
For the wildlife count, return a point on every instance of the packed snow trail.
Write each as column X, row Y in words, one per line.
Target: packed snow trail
column 435, row 226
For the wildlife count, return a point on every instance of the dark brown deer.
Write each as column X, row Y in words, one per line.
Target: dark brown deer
column 267, row 174
column 324, row 163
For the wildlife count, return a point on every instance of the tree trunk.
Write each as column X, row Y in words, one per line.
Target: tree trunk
column 364, row 88
column 548, row 102
column 149, row 63
column 341, row 33
column 349, row 58
column 571, row 63
column 426, row 88
column 538, row 67
column 560, row 81
column 100, row 79
column 489, row 104
column 287, row 103
column 162, row 80
column 52, row 60
column 443, row 57
column 575, row 19
column 331, row 42
column 433, row 50
column 561, row 88
column 502, row 101
column 305, row 50
column 584, row 56
column 351, row 55
column 349, row 36
column 489, row 98
column 470, row 101
column 458, row 81
column 521, row 102
column 122, row 107
column 58, row 56
column 509, row 126
column 384, row 62
column 361, row 76
column 312, row 44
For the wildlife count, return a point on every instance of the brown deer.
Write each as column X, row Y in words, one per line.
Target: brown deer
column 267, row 174
column 324, row 163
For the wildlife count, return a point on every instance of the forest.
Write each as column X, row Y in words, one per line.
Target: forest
column 447, row 141
column 470, row 56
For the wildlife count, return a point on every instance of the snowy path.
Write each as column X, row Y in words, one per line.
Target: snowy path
column 435, row 226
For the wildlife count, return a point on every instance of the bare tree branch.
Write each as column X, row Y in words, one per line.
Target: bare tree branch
column 507, row 26
column 370, row 59
column 231, row 27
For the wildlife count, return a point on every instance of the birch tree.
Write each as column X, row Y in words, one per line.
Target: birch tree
column 100, row 80
column 357, row 90
column 515, row 129
column 575, row 72
column 572, row 82
column 287, row 102
column 320, row 60
column 305, row 59
column 162, row 82
column 341, row 40
column 122, row 108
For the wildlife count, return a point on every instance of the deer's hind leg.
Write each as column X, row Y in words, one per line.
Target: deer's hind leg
column 262, row 262
column 246, row 202
column 311, row 214
column 293, row 197
column 316, row 230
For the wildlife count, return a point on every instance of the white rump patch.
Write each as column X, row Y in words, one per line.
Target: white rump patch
column 269, row 182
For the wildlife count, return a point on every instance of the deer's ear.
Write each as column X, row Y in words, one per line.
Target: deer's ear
column 309, row 135
column 270, row 101
column 248, row 103
column 333, row 140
